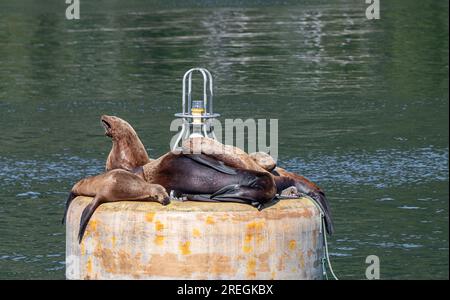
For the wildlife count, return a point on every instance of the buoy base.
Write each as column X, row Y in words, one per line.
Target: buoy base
column 195, row 240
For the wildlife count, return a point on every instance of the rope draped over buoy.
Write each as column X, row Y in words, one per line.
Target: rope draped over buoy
column 326, row 257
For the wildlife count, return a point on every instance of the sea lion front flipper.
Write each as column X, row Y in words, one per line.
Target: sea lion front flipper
column 212, row 163
column 87, row 214
column 260, row 206
column 226, row 189
column 232, row 192
column 207, row 198
column 68, row 202
column 199, row 197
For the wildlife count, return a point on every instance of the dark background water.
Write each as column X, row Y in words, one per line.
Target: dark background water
column 362, row 108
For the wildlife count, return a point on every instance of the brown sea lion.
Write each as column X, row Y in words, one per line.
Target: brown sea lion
column 230, row 155
column 127, row 150
column 114, row 185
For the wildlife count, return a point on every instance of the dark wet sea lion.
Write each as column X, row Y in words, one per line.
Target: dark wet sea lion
column 115, row 185
column 127, row 151
column 206, row 179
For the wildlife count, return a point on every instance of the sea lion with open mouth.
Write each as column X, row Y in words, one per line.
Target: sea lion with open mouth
column 127, row 151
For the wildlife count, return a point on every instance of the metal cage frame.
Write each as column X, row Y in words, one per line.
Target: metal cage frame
column 186, row 115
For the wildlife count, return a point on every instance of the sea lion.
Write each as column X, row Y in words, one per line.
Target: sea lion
column 200, row 177
column 114, row 185
column 127, row 150
column 264, row 160
column 237, row 158
column 230, row 155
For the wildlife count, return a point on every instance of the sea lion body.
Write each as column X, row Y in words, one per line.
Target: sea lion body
column 197, row 174
column 114, row 185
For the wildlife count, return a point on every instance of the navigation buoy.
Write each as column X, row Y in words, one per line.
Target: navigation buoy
column 195, row 240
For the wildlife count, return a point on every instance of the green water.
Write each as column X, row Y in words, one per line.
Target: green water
column 362, row 108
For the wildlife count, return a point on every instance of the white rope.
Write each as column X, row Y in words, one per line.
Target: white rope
column 325, row 241
column 326, row 249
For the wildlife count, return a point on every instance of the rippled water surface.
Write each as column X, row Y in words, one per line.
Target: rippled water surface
column 362, row 108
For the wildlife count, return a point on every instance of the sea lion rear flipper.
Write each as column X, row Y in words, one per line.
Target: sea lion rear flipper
column 212, row 163
column 87, row 214
column 68, row 202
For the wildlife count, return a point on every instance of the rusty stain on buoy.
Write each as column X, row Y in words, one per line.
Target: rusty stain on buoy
column 196, row 233
column 292, row 245
column 210, row 220
column 159, row 239
column 149, row 216
column 185, row 247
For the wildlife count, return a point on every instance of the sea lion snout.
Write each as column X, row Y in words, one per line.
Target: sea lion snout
column 107, row 124
column 165, row 201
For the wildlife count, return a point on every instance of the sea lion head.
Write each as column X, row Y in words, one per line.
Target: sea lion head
column 127, row 151
column 264, row 160
column 116, row 128
column 158, row 193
